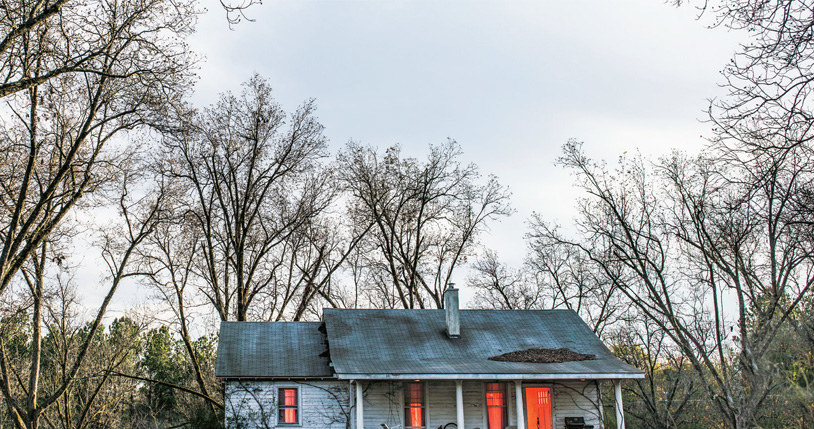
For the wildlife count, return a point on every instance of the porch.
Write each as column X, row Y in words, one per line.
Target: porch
column 479, row 404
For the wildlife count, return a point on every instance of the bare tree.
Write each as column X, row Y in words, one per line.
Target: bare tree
column 501, row 287
column 317, row 253
column 251, row 236
column 425, row 218
column 44, row 39
column 572, row 283
column 769, row 79
column 118, row 245
column 92, row 399
column 167, row 260
column 667, row 396
column 77, row 76
column 254, row 195
column 236, row 10
column 710, row 251
column 552, row 277
column 57, row 127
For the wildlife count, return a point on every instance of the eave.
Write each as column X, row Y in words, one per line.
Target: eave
column 537, row 376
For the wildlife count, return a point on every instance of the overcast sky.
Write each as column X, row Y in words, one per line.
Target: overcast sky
column 511, row 81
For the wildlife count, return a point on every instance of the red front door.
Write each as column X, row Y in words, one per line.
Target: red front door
column 538, row 408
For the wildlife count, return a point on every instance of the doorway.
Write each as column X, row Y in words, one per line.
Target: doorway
column 538, row 408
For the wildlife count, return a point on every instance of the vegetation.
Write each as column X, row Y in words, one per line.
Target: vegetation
column 135, row 376
column 697, row 268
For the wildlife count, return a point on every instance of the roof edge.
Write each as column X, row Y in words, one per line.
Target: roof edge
column 265, row 378
column 540, row 376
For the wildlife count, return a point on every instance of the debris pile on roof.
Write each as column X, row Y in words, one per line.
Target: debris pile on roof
column 543, row 356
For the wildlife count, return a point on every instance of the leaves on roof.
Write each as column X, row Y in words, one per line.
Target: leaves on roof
column 543, row 356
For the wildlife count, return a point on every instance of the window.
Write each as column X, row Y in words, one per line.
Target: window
column 414, row 406
column 496, row 406
column 288, row 406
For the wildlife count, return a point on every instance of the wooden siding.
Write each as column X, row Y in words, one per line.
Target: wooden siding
column 326, row 404
column 384, row 403
column 323, row 404
column 442, row 403
column 575, row 399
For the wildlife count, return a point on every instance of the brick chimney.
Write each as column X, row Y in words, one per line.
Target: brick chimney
column 452, row 312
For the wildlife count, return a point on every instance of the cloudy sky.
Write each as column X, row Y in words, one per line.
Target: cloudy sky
column 511, row 81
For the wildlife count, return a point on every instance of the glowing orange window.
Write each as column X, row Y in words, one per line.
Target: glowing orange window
column 414, row 406
column 497, row 417
column 288, row 406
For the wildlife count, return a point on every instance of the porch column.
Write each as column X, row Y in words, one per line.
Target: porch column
column 620, row 412
column 518, row 398
column 459, row 402
column 360, row 405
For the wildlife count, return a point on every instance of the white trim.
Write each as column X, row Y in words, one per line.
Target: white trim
column 426, row 404
column 400, row 398
column 602, row 376
column 510, row 409
column 484, row 413
column 351, row 403
column 520, row 404
column 620, row 411
column 459, row 403
column 360, row 405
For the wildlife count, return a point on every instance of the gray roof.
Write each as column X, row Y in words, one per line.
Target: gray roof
column 272, row 350
column 413, row 344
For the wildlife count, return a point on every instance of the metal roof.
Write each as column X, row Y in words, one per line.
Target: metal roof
column 272, row 350
column 413, row 344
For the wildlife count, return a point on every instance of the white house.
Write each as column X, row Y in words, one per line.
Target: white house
column 419, row 369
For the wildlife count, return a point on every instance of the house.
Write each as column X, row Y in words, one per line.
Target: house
column 419, row 369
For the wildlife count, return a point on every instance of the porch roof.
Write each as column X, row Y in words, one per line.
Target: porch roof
column 399, row 344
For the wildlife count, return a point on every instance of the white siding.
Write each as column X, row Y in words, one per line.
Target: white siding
column 569, row 399
column 326, row 404
column 442, row 407
column 441, row 403
column 575, row 399
column 383, row 401
column 323, row 404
